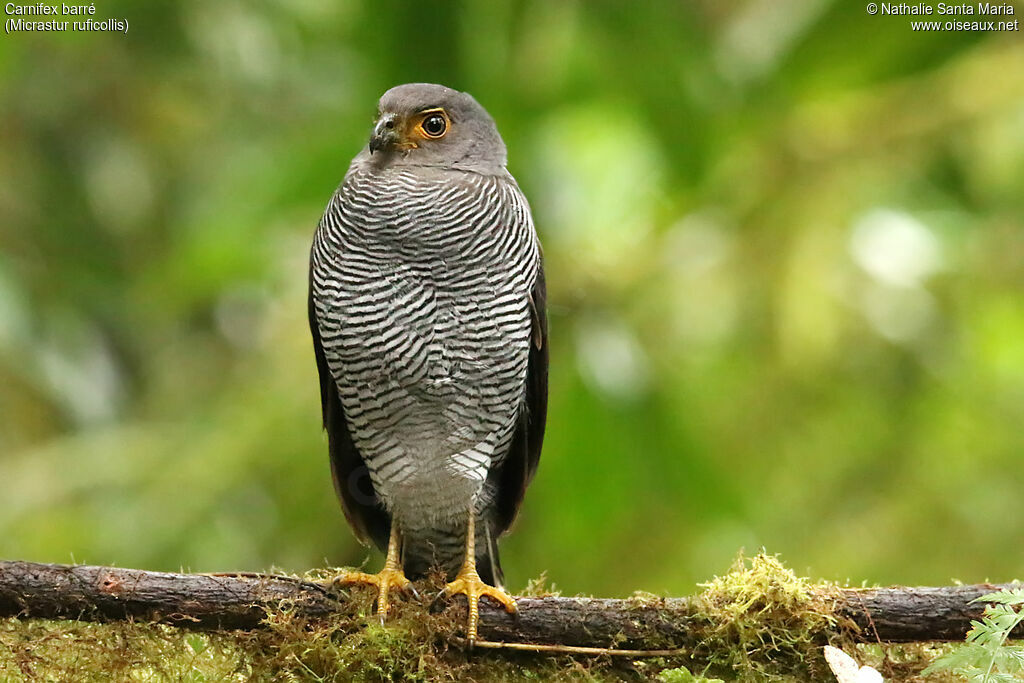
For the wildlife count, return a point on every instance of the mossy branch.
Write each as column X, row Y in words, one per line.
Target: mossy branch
column 243, row 601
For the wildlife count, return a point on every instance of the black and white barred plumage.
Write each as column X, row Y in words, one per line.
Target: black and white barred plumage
column 427, row 312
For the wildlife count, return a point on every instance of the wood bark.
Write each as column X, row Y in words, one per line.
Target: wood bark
column 240, row 601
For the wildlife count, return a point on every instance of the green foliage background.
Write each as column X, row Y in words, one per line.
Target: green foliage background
column 785, row 260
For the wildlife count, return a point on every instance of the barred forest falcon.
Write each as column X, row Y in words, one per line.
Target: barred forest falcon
column 427, row 308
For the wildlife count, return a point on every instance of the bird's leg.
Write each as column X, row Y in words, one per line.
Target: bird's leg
column 391, row 576
column 469, row 583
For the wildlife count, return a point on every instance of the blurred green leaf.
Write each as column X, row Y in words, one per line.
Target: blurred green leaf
column 785, row 260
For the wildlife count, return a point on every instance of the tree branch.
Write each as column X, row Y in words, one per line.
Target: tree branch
column 241, row 601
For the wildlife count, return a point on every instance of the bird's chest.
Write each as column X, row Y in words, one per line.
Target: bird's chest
column 430, row 323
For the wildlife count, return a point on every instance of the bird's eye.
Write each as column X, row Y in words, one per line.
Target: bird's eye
column 434, row 125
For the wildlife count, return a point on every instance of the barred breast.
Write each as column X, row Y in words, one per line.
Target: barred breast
column 420, row 285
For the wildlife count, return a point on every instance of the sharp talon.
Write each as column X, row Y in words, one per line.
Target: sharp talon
column 470, row 584
column 435, row 603
column 386, row 582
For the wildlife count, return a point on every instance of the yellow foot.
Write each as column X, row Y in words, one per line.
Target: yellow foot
column 389, row 578
column 470, row 584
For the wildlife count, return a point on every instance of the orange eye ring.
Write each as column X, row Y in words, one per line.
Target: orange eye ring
column 434, row 124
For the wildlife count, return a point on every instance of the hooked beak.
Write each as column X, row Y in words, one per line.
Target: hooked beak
column 384, row 134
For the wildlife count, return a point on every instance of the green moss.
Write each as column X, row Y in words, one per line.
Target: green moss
column 42, row 650
column 906, row 661
column 539, row 588
column 763, row 622
column 683, row 675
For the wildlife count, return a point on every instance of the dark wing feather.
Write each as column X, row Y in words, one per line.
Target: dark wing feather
column 359, row 501
column 524, row 453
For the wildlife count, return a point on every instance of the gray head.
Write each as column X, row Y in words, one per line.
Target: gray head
column 423, row 124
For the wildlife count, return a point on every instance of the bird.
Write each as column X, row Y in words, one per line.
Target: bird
column 427, row 308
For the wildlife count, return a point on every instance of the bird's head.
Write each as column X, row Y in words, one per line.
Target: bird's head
column 422, row 124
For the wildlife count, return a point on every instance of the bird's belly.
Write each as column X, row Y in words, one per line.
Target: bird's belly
column 431, row 388
column 428, row 443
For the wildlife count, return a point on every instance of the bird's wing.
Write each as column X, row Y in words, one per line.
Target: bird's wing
column 524, row 453
column 352, row 481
